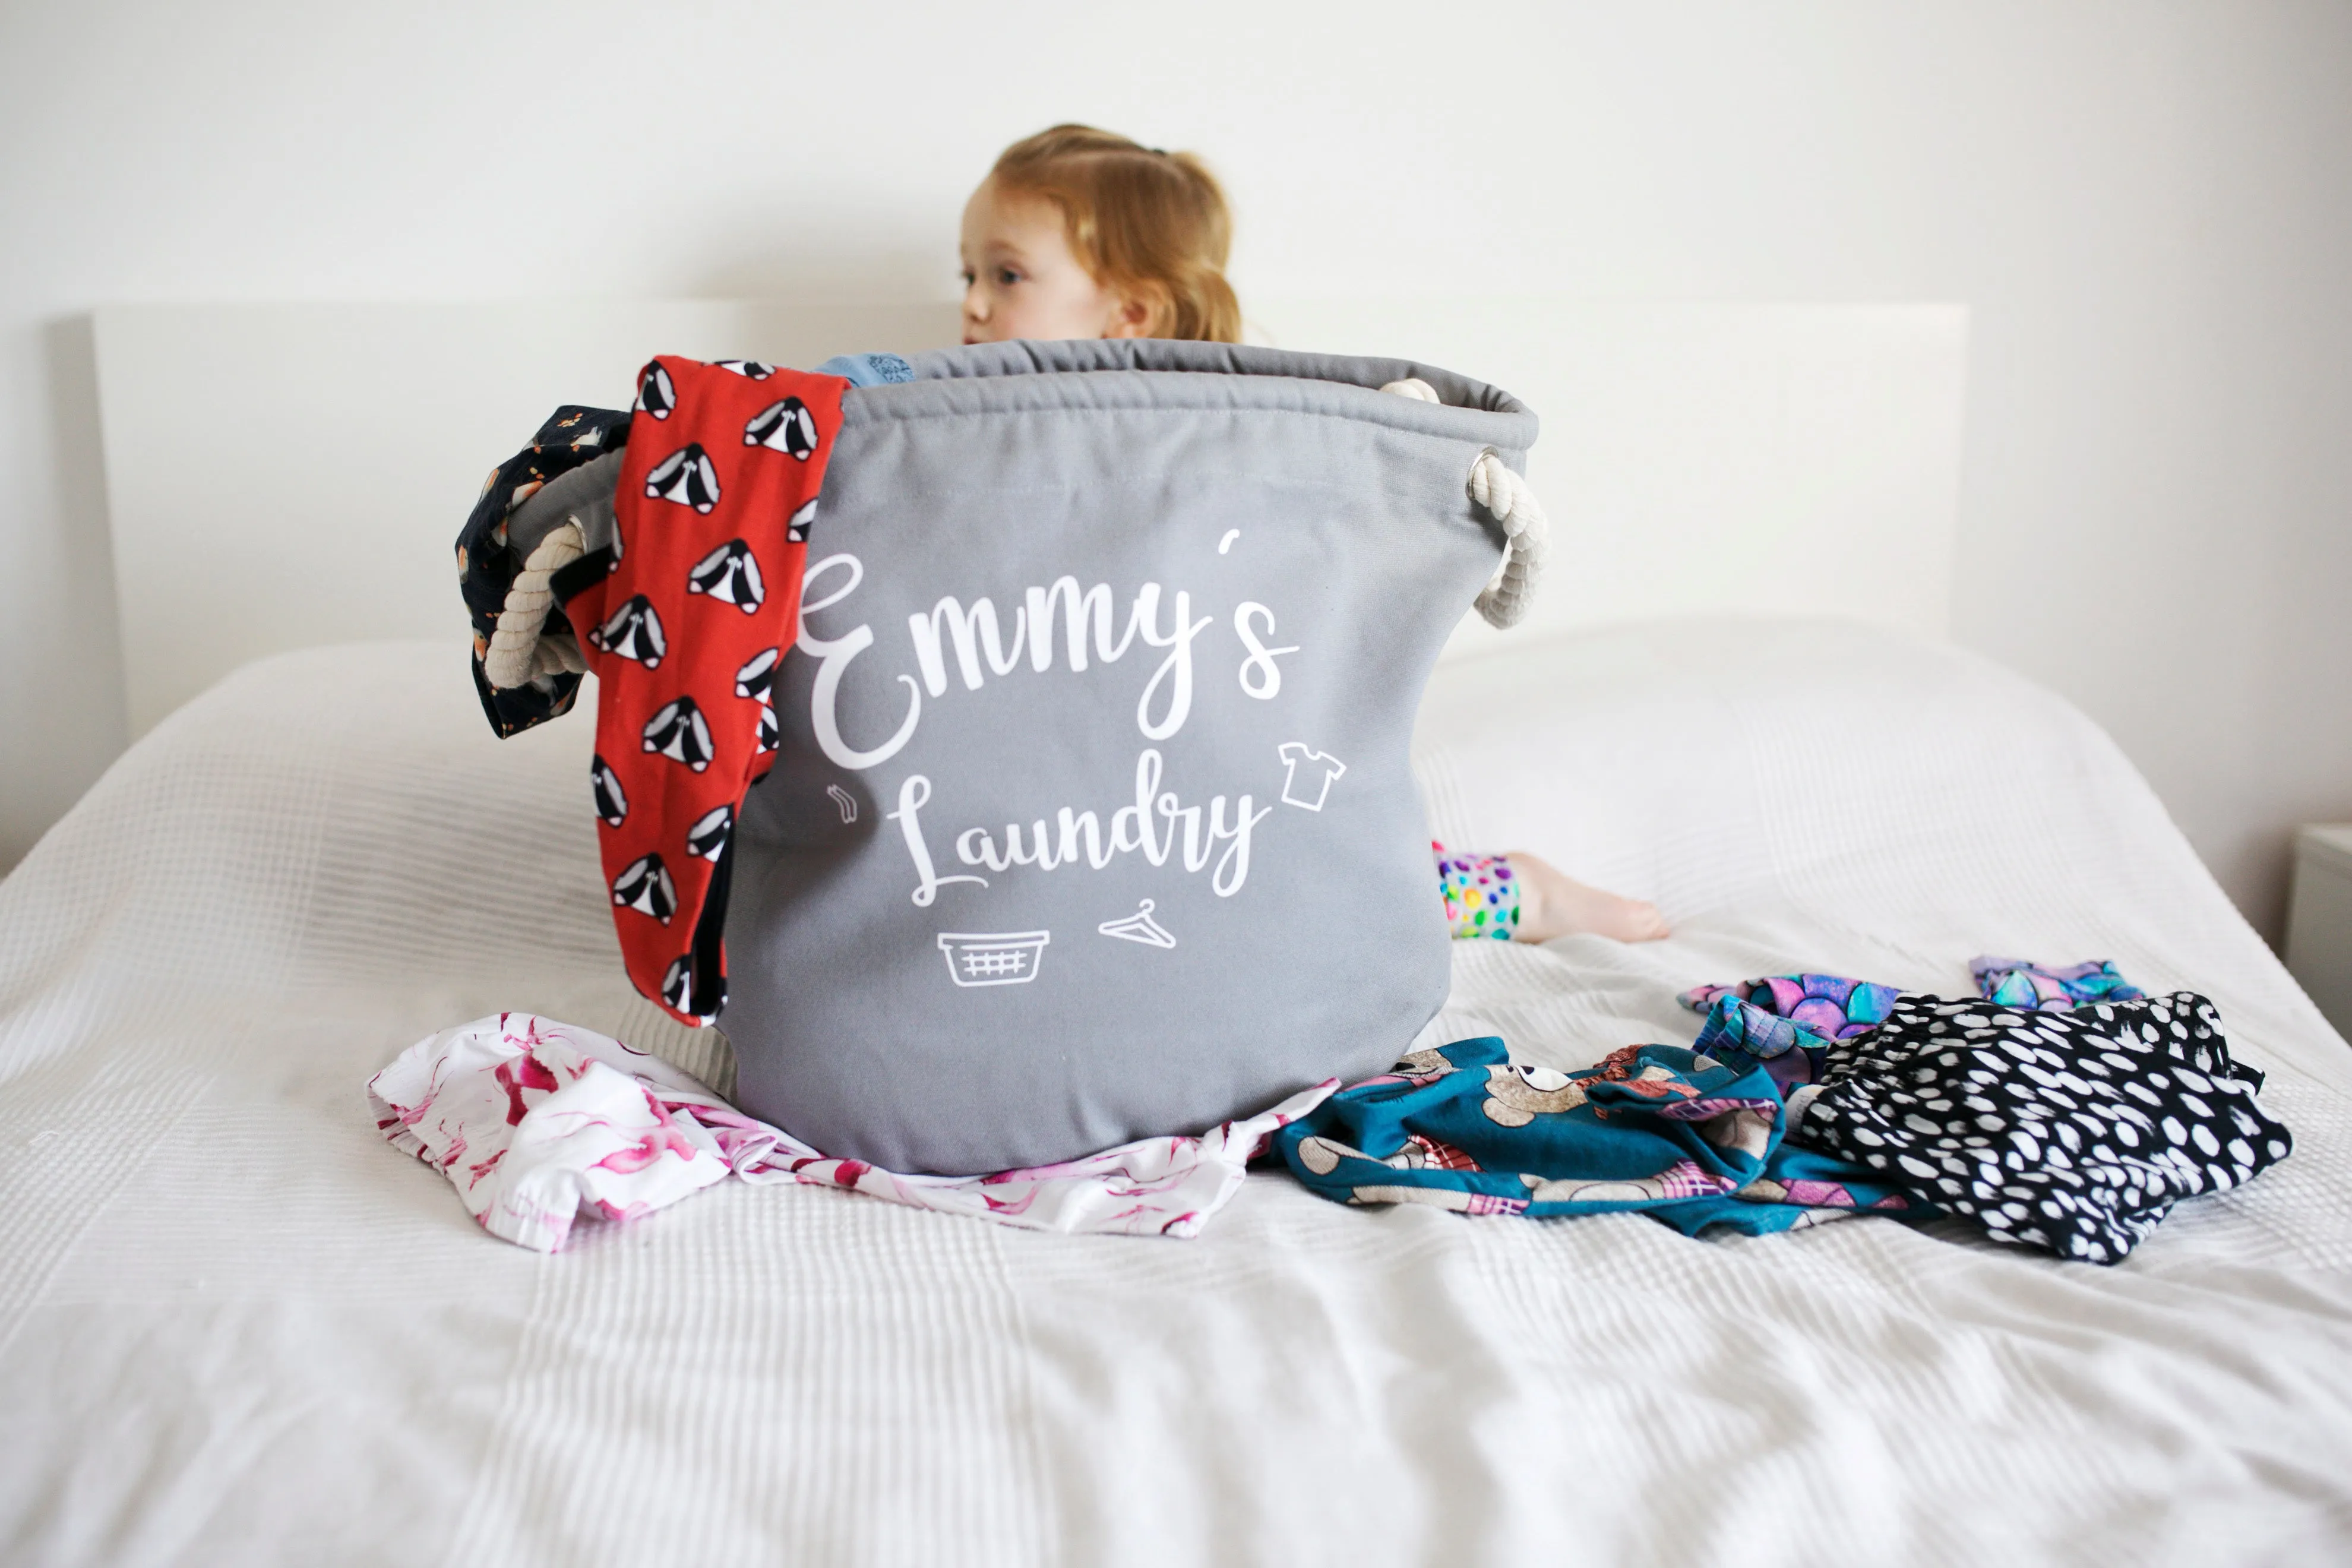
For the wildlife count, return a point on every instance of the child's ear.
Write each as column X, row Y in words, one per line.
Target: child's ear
column 1134, row 316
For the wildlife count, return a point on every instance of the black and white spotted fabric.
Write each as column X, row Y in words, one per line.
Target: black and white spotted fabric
column 2073, row 1132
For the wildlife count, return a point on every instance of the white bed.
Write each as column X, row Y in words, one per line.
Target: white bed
column 236, row 1327
column 241, row 1328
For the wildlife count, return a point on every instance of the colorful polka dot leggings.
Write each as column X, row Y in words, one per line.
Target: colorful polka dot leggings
column 1481, row 895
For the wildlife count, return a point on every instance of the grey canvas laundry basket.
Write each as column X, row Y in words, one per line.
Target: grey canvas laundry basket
column 1092, row 818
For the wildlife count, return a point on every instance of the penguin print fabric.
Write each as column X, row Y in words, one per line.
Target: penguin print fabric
column 683, row 620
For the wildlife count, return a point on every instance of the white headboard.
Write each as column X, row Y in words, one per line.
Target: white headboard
column 1695, row 459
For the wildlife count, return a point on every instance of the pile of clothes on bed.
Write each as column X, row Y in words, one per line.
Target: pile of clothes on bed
column 2062, row 1109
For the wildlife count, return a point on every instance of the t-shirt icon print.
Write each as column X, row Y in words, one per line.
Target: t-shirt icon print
column 1308, row 779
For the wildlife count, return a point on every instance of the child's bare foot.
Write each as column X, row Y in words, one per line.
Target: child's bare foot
column 1553, row 905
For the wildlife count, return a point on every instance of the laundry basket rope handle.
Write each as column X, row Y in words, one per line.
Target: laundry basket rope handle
column 1524, row 528
column 517, row 654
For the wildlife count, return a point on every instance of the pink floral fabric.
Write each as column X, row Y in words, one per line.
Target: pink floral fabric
column 536, row 1123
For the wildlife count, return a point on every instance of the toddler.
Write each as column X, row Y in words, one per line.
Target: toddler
column 1077, row 233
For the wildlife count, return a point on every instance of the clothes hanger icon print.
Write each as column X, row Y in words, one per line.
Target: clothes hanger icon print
column 1139, row 927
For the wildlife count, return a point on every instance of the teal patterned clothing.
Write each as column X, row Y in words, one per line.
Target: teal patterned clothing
column 1655, row 1130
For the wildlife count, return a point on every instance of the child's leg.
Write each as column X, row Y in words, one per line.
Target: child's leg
column 1521, row 898
column 1553, row 905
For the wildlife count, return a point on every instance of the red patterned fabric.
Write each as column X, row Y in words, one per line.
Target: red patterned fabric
column 684, row 622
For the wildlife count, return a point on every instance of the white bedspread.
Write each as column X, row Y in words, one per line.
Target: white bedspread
column 236, row 1327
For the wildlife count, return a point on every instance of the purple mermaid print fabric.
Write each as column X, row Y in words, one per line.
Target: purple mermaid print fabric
column 1829, row 1005
column 1786, row 1022
column 1783, row 1022
column 2015, row 982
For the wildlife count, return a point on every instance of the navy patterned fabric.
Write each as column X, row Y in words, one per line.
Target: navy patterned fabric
column 487, row 568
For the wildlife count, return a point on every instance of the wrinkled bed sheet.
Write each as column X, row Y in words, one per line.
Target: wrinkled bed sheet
column 236, row 1326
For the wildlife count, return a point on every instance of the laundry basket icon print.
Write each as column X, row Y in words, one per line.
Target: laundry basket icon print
column 995, row 957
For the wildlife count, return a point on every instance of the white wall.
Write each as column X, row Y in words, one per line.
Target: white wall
column 2147, row 206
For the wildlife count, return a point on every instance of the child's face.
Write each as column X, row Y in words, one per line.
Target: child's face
column 1020, row 280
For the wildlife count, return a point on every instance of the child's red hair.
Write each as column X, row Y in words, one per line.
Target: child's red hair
column 1151, row 224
